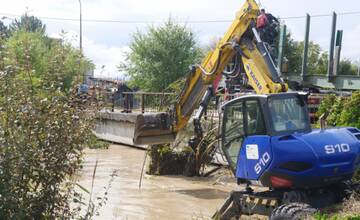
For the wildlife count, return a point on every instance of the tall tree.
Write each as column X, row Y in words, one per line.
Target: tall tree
column 160, row 56
column 293, row 51
column 317, row 58
column 28, row 23
column 40, row 50
column 347, row 67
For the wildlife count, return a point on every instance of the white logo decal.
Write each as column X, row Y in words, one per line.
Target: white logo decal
column 254, row 77
column 262, row 162
column 337, row 148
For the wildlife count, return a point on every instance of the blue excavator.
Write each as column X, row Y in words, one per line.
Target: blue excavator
column 266, row 137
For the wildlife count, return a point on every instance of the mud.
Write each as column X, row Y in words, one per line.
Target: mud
column 160, row 197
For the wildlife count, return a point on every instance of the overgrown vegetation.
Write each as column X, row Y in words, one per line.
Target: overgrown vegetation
column 181, row 159
column 166, row 161
column 343, row 111
column 95, row 143
column 43, row 125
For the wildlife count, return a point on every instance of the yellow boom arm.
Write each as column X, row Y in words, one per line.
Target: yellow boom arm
column 257, row 69
column 240, row 39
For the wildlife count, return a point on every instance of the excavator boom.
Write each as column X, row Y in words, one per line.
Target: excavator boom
column 241, row 42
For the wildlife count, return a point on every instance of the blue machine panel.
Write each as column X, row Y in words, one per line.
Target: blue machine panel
column 254, row 157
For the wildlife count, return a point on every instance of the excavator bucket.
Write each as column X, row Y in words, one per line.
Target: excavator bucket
column 135, row 129
column 153, row 128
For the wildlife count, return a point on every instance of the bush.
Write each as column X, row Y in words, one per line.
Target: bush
column 343, row 111
column 43, row 130
column 350, row 115
column 95, row 143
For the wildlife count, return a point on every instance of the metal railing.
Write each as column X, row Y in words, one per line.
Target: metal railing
column 140, row 101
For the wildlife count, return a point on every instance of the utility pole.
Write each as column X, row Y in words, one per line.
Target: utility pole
column 81, row 47
column 80, row 27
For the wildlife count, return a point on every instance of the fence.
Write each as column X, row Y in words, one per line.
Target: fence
column 140, row 101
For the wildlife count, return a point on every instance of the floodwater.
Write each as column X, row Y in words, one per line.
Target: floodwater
column 160, row 197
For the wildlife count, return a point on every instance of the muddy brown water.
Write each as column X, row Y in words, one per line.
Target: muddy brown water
column 160, row 197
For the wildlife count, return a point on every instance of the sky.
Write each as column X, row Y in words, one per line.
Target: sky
column 106, row 42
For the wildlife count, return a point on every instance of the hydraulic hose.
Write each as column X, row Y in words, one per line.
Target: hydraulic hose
column 217, row 65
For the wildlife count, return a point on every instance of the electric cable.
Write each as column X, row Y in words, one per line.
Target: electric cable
column 10, row 15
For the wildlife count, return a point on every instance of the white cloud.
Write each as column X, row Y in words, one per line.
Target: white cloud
column 105, row 58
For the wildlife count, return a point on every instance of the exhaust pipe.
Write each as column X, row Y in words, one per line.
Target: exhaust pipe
column 323, row 118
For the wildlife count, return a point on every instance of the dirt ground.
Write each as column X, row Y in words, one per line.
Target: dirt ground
column 160, row 197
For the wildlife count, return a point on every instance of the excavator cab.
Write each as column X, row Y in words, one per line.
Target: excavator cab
column 261, row 115
column 268, row 139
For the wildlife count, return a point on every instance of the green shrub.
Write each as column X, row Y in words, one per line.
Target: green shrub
column 343, row 111
column 350, row 115
column 95, row 143
column 43, row 130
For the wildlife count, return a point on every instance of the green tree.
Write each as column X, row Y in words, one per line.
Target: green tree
column 293, row 51
column 40, row 50
column 347, row 67
column 28, row 23
column 317, row 58
column 160, row 56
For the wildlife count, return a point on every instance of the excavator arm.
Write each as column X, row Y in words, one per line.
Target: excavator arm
column 261, row 72
column 241, row 41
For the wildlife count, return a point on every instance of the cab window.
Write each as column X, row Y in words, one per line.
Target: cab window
column 233, row 135
column 255, row 124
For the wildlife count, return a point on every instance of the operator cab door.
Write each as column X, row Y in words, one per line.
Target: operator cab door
column 232, row 131
column 255, row 155
column 244, row 138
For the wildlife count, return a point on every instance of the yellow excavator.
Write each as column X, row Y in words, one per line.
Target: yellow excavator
column 241, row 44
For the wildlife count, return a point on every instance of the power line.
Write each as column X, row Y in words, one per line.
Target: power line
column 186, row 21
